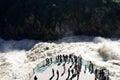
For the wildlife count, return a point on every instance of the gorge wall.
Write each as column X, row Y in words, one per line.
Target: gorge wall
column 51, row 19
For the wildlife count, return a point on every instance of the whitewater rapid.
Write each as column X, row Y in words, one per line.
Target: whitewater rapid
column 18, row 58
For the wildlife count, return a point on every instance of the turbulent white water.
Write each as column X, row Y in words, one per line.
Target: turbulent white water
column 8, row 45
column 16, row 63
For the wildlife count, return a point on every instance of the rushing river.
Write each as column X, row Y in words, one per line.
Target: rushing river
column 16, row 57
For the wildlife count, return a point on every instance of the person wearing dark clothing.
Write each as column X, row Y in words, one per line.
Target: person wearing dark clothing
column 53, row 74
column 72, row 71
column 72, row 60
column 73, row 76
column 57, row 75
column 47, row 61
column 69, row 57
column 102, row 74
column 75, row 67
column 78, row 70
column 75, row 60
column 64, row 70
column 60, row 58
column 91, row 67
column 80, row 61
column 66, row 57
column 96, row 75
column 35, row 78
column 79, row 67
column 71, row 66
column 68, row 74
column 85, row 69
column 63, row 57
column 51, row 60
column 78, row 73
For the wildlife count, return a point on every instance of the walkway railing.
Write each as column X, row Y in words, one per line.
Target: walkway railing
column 42, row 65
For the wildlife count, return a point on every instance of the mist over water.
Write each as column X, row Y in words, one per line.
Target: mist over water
column 12, row 58
column 9, row 45
column 102, row 51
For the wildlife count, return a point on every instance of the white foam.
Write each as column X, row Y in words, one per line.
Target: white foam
column 87, row 47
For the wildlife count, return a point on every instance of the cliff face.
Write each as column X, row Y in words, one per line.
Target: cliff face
column 45, row 19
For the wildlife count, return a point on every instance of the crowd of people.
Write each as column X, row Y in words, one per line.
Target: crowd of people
column 101, row 74
column 75, row 67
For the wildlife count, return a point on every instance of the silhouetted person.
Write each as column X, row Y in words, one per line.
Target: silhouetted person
column 85, row 69
column 68, row 74
column 78, row 73
column 72, row 71
column 80, row 60
column 75, row 67
column 69, row 58
column 63, row 58
column 35, row 78
column 71, row 65
column 78, row 70
column 91, row 67
column 64, row 69
column 79, row 67
column 51, row 60
column 53, row 74
column 57, row 75
column 75, row 58
column 66, row 57
column 60, row 58
column 73, row 76
column 96, row 74
column 47, row 61
column 102, row 73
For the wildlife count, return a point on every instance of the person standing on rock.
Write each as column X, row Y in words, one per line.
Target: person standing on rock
column 35, row 78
